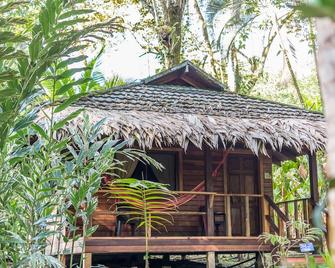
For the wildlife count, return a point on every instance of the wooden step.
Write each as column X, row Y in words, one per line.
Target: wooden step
column 300, row 261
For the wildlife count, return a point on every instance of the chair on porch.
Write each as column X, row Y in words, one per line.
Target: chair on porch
column 219, row 221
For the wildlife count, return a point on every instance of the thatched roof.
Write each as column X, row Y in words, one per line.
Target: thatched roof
column 176, row 115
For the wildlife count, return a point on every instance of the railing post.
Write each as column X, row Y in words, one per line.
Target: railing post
column 281, row 226
column 266, row 205
column 305, row 210
column 209, row 188
column 286, row 210
column 228, row 212
column 247, row 216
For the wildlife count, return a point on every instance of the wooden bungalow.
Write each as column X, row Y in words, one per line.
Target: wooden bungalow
column 204, row 135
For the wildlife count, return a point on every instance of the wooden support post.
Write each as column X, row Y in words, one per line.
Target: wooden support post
column 228, row 213
column 209, row 188
column 210, row 260
column 259, row 262
column 180, row 170
column 227, row 198
column 247, row 216
column 286, row 210
column 313, row 177
column 87, row 260
column 63, row 260
column 266, row 213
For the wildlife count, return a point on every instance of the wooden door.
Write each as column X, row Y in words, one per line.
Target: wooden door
column 243, row 179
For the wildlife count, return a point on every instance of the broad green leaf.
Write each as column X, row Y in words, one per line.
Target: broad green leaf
column 67, row 119
column 68, row 23
column 68, row 86
column 75, row 13
column 12, row 20
column 35, row 46
column 68, row 102
column 12, row 6
column 44, row 21
column 10, row 37
column 7, row 75
column 74, row 49
column 71, row 60
column 40, row 130
column 71, row 72
column 26, row 121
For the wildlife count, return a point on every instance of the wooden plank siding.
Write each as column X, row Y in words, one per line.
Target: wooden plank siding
column 191, row 172
column 267, row 175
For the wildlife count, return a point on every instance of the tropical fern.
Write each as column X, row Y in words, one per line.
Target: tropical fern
column 149, row 204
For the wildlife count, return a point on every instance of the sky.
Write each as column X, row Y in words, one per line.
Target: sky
column 127, row 60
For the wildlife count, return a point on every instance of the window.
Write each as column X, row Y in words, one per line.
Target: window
column 166, row 176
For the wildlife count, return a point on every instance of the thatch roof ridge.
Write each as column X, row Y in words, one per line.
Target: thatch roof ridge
column 185, row 99
column 277, row 102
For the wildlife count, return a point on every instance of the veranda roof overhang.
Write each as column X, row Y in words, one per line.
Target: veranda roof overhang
column 287, row 137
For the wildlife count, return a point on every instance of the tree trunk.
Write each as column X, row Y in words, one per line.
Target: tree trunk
column 205, row 35
column 326, row 70
column 173, row 17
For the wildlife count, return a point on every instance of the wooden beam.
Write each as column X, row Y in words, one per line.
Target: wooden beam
column 209, row 188
column 261, row 186
column 313, row 178
column 227, row 198
column 180, row 160
column 87, row 260
column 210, row 260
column 175, row 244
column 247, row 216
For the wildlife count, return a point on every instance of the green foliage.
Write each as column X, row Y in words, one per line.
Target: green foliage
column 319, row 8
column 53, row 37
column 147, row 203
column 47, row 181
column 270, row 88
column 283, row 245
column 291, row 179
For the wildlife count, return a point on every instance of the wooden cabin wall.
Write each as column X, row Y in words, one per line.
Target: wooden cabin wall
column 193, row 173
column 267, row 175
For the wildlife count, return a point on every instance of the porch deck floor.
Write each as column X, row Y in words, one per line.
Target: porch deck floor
column 186, row 244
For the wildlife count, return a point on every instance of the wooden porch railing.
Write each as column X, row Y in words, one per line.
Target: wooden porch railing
column 297, row 210
column 275, row 217
column 278, row 214
column 208, row 215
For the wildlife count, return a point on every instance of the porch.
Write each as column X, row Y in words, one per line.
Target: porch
column 233, row 208
column 226, row 214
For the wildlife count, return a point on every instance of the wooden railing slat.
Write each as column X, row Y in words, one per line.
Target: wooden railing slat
column 228, row 211
column 247, row 216
column 276, row 208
